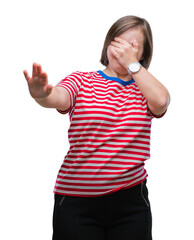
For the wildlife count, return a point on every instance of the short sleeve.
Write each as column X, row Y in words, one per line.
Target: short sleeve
column 72, row 84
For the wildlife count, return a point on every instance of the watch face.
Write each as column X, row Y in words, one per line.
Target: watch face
column 134, row 67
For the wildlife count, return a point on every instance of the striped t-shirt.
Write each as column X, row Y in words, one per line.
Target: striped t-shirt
column 109, row 135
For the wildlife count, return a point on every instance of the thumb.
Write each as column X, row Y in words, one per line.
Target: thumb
column 27, row 77
column 49, row 88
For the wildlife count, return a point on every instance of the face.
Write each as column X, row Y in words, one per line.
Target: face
column 128, row 36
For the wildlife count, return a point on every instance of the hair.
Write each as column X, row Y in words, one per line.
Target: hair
column 123, row 24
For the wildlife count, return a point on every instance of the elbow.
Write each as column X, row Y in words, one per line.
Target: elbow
column 164, row 101
column 160, row 106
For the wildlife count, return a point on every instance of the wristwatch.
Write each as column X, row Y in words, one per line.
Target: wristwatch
column 134, row 67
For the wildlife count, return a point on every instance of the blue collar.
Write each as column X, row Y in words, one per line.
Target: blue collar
column 115, row 79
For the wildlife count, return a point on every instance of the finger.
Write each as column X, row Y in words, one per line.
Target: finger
column 121, row 43
column 27, row 77
column 120, row 40
column 116, row 44
column 43, row 77
column 39, row 70
column 114, row 52
column 34, row 70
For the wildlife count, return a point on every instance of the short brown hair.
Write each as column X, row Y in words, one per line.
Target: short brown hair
column 123, row 24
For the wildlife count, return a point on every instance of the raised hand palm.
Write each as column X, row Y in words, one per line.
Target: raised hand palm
column 38, row 83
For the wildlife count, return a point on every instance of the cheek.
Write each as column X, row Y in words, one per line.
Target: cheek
column 109, row 54
column 140, row 53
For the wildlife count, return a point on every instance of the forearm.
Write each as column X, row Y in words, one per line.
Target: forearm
column 54, row 100
column 155, row 92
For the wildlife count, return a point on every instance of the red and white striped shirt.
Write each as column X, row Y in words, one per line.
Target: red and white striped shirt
column 109, row 135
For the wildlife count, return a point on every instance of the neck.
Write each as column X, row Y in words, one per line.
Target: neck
column 111, row 73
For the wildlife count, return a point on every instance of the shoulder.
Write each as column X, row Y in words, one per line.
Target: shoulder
column 87, row 74
column 84, row 75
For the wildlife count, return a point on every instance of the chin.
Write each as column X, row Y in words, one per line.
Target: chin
column 121, row 70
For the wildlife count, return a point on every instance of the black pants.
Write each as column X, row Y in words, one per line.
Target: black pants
column 123, row 215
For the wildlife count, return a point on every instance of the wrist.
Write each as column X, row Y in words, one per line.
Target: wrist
column 43, row 101
column 127, row 63
column 134, row 67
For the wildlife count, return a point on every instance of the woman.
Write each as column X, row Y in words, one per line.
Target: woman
column 101, row 192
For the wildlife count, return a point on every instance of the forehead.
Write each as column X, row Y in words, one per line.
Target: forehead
column 131, row 34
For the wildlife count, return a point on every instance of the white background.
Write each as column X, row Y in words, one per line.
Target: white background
column 64, row 36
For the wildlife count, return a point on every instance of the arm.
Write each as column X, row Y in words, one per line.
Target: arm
column 45, row 94
column 156, row 94
column 59, row 98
